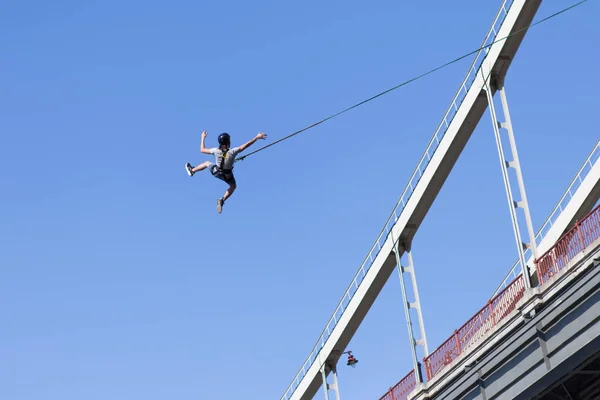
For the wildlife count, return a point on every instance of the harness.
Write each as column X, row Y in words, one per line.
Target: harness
column 227, row 172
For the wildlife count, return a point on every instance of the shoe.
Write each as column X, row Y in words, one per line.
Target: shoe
column 219, row 205
column 188, row 168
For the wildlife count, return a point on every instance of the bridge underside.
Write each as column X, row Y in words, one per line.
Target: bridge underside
column 552, row 353
column 583, row 383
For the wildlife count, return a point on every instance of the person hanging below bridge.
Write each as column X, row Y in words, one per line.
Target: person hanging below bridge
column 224, row 160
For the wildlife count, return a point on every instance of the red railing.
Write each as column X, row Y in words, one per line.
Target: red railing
column 568, row 246
column 475, row 328
column 402, row 388
column 553, row 261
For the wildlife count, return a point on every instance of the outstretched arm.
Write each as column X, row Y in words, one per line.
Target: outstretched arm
column 251, row 142
column 202, row 148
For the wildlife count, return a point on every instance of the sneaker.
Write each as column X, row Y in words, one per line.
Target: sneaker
column 219, row 205
column 188, row 168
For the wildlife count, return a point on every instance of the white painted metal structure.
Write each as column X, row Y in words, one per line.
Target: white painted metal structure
column 579, row 199
column 435, row 165
column 506, row 164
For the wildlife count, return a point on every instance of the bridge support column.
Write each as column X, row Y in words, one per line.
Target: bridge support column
column 334, row 386
column 416, row 305
column 515, row 164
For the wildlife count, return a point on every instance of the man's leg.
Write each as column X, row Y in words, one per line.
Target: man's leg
column 228, row 193
column 191, row 171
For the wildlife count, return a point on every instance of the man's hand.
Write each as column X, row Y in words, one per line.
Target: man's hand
column 251, row 142
column 202, row 148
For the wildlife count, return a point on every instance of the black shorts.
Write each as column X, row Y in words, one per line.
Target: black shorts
column 225, row 176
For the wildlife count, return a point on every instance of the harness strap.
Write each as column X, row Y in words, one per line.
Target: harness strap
column 223, row 159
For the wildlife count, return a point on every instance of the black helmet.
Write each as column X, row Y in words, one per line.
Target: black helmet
column 224, row 139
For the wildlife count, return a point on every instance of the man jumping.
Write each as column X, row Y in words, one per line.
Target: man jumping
column 224, row 159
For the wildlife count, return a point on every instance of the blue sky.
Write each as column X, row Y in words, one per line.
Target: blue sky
column 119, row 280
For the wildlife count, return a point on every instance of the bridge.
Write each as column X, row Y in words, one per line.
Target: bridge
column 526, row 338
